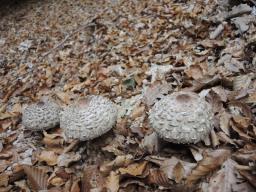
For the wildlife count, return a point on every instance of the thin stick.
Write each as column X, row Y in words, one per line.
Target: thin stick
column 66, row 38
column 88, row 24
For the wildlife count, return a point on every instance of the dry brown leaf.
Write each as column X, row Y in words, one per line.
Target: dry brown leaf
column 135, row 169
column 197, row 153
column 211, row 161
column 226, row 179
column 224, row 122
column 5, row 124
column 137, row 112
column 194, row 72
column 112, row 182
column 4, row 179
column 75, row 186
column 17, row 108
column 7, row 115
column 57, row 181
column 92, row 179
column 224, row 138
column 167, row 165
column 214, row 139
column 119, row 161
column 242, row 81
column 251, row 98
column 241, row 122
column 240, row 132
column 178, row 172
column 57, row 142
column 52, row 135
column 50, row 157
column 65, row 159
column 36, row 177
column 23, row 186
column 221, row 92
column 158, row 177
column 151, row 143
column 249, row 177
column 240, row 109
column 155, row 91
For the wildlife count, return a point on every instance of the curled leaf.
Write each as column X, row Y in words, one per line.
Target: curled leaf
column 211, row 161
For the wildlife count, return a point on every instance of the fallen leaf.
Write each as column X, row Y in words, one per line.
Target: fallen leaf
column 93, row 179
column 214, row 139
column 50, row 157
column 65, row 159
column 75, row 186
column 135, row 169
column 119, row 161
column 197, row 153
column 224, row 138
column 137, row 112
column 112, row 182
column 4, row 179
column 151, row 143
column 240, row 132
column 194, row 72
column 225, row 179
column 211, row 161
column 249, row 177
column 158, row 177
column 56, row 181
column 224, row 122
column 242, row 122
column 178, row 172
column 154, row 92
column 36, row 177
column 167, row 165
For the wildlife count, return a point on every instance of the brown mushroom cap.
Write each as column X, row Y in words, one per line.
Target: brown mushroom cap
column 42, row 115
column 88, row 118
column 182, row 117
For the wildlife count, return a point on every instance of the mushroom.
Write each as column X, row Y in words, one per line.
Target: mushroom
column 88, row 118
column 182, row 117
column 42, row 115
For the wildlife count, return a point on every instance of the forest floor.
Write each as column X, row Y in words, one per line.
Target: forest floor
column 133, row 52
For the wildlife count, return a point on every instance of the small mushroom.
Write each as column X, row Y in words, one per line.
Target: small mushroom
column 88, row 118
column 42, row 115
column 182, row 117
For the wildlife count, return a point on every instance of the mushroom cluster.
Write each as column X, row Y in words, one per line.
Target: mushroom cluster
column 182, row 117
column 88, row 118
column 42, row 115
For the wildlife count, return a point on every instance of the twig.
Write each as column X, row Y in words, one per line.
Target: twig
column 66, row 38
column 88, row 24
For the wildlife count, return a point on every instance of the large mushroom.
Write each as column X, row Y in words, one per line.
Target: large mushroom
column 182, row 117
column 88, row 118
column 42, row 115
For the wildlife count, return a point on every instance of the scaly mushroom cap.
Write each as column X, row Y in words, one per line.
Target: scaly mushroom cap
column 182, row 117
column 88, row 118
column 42, row 115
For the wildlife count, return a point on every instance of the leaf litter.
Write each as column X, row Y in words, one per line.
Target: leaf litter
column 134, row 52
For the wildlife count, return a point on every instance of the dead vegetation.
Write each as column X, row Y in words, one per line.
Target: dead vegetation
column 135, row 53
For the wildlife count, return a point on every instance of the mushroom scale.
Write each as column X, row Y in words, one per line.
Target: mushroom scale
column 88, row 118
column 42, row 115
column 182, row 117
